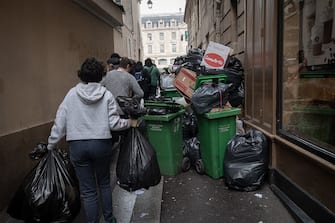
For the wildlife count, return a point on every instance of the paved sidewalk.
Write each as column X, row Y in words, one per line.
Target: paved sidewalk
column 129, row 207
column 190, row 197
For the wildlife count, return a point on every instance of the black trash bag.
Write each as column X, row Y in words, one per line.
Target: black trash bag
column 49, row 193
column 236, row 97
column 191, row 149
column 131, row 106
column 192, row 155
column 207, row 71
column 39, row 151
column 190, row 125
column 137, row 166
column 246, row 161
column 162, row 110
column 210, row 96
column 234, row 72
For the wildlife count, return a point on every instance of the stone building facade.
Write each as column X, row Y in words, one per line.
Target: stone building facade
column 286, row 48
column 164, row 37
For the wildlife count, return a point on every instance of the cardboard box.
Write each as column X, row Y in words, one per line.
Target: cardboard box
column 216, row 56
column 185, row 82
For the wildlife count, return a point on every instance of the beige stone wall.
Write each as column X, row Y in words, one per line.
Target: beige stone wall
column 128, row 41
column 41, row 52
column 43, row 43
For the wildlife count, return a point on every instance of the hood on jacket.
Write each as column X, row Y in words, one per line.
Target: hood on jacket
column 91, row 92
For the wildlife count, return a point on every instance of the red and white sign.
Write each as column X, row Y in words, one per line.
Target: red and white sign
column 215, row 56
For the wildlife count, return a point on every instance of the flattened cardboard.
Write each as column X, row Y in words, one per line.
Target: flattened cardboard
column 185, row 82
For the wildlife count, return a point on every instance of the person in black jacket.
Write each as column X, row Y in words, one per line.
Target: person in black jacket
column 143, row 78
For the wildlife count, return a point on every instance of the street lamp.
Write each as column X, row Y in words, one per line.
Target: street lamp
column 149, row 3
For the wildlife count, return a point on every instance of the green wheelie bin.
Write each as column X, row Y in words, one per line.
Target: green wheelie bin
column 216, row 129
column 165, row 135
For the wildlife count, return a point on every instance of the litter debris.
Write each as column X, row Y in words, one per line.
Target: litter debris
column 139, row 192
column 259, row 195
column 143, row 215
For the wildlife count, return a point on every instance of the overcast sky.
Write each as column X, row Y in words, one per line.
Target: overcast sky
column 162, row 6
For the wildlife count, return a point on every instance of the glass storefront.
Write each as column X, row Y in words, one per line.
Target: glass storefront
column 308, row 71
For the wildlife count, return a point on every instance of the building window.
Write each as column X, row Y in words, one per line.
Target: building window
column 162, row 62
column 174, row 48
column 149, row 37
column 161, row 48
column 149, row 24
column 186, row 35
column 149, row 49
column 161, row 36
column 173, row 23
column 161, row 23
column 308, row 74
column 173, row 35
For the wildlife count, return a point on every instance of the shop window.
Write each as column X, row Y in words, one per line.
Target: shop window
column 308, row 73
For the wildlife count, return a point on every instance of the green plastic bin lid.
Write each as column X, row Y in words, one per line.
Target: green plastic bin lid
column 223, row 113
column 165, row 118
column 170, row 89
column 162, row 104
column 209, row 78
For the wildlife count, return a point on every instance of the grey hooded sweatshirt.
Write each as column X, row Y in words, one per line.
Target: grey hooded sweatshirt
column 88, row 111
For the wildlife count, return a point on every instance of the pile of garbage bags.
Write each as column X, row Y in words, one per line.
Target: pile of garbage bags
column 233, row 71
column 210, row 96
column 191, row 60
column 191, row 143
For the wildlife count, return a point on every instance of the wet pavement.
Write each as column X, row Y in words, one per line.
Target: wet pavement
column 190, row 197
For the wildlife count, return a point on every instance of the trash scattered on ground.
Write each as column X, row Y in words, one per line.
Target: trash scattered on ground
column 143, row 215
column 139, row 192
column 259, row 195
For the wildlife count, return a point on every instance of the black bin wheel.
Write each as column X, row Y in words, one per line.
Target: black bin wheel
column 199, row 166
column 186, row 164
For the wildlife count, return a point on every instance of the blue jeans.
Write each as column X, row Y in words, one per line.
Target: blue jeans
column 91, row 160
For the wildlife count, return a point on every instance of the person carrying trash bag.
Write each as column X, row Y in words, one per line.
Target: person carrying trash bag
column 137, row 165
column 86, row 117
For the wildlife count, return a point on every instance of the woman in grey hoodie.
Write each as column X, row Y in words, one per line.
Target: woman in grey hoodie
column 86, row 117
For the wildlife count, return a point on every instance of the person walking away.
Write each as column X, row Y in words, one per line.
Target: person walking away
column 143, row 78
column 121, row 83
column 86, row 117
column 113, row 62
column 154, row 75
